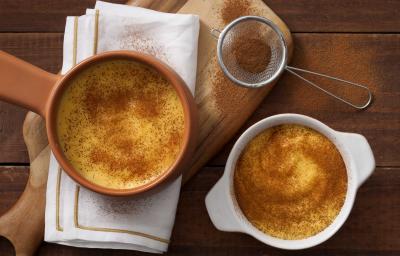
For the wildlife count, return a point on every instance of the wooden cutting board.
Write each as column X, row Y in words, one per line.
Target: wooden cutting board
column 223, row 109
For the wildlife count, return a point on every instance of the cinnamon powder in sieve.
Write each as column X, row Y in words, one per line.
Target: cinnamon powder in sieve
column 251, row 52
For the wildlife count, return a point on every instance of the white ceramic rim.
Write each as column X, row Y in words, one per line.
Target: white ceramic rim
column 352, row 184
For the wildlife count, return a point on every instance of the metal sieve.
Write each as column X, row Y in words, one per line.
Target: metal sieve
column 241, row 36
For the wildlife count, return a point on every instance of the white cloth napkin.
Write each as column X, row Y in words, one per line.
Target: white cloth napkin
column 79, row 217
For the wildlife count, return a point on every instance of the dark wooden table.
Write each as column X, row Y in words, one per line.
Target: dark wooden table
column 356, row 40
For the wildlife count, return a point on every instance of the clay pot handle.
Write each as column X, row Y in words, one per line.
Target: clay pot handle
column 24, row 84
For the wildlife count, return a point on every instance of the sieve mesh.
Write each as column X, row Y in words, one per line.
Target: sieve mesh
column 251, row 51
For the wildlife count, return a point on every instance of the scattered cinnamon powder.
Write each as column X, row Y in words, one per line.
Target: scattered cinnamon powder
column 233, row 9
column 135, row 38
column 329, row 54
column 148, row 107
column 94, row 100
column 226, row 94
column 116, row 206
column 290, row 182
column 138, row 166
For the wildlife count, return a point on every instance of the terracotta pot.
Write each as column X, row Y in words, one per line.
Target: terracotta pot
column 37, row 90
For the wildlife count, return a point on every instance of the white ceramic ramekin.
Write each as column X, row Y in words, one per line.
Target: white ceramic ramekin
column 226, row 214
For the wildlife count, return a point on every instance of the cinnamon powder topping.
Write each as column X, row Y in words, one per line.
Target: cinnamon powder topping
column 120, row 124
column 290, row 182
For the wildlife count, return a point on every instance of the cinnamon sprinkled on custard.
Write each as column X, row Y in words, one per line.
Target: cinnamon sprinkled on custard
column 120, row 124
column 290, row 182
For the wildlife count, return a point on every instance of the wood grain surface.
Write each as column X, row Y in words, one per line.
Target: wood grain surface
column 368, row 230
column 377, row 64
column 301, row 15
column 365, row 46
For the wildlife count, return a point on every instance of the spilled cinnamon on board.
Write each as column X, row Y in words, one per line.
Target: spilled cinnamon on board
column 233, row 9
column 227, row 95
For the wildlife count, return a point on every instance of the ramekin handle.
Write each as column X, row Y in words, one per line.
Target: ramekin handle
column 24, row 84
column 219, row 209
column 361, row 153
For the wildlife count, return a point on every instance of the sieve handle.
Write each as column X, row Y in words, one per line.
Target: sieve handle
column 293, row 70
column 215, row 33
